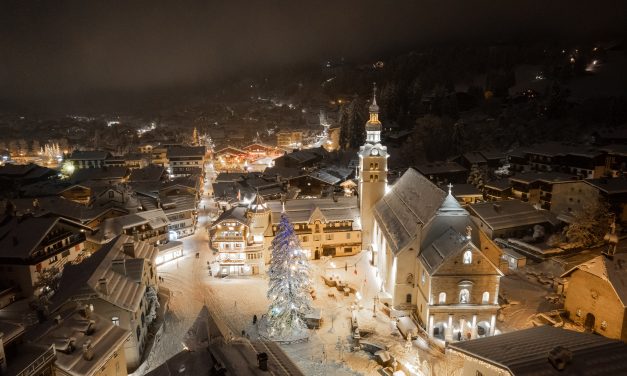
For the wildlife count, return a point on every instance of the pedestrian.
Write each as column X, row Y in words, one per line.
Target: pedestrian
column 345, row 266
column 235, row 303
column 254, row 319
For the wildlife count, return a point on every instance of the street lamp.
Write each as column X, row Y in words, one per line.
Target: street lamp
column 374, row 305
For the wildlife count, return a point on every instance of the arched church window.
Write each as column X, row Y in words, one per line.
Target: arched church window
column 485, row 298
column 468, row 257
column 442, row 298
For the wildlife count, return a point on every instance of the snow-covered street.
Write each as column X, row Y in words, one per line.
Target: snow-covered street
column 233, row 301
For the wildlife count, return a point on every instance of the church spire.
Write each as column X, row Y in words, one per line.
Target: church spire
column 374, row 108
column 373, row 126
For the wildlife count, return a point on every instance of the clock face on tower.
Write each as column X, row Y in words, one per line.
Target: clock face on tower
column 374, row 152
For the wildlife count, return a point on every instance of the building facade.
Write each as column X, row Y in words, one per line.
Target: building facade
column 242, row 236
column 30, row 247
column 371, row 175
column 120, row 282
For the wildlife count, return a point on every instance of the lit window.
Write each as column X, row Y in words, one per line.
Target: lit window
column 115, row 320
column 423, row 278
column 604, row 325
column 442, row 298
column 485, row 298
column 468, row 257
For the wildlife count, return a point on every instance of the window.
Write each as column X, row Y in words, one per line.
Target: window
column 468, row 257
column 115, row 320
column 478, row 374
column 305, row 239
column 329, row 236
column 423, row 278
column 348, row 235
column 485, row 299
column 53, row 259
column 316, row 238
column 464, row 296
column 408, row 298
column 604, row 325
column 442, row 298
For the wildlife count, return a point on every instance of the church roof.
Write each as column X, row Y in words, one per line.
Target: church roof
column 448, row 244
column 258, row 205
column 412, row 202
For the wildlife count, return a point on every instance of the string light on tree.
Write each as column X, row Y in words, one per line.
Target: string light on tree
column 289, row 286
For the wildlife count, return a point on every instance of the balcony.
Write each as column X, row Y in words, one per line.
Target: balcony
column 58, row 247
column 40, row 362
column 223, row 238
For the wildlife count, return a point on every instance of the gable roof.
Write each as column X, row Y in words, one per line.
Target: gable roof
column 447, row 245
column 82, row 280
column 612, row 270
column 89, row 155
column 412, row 201
column 186, row 151
column 301, row 211
column 511, row 213
column 19, row 237
column 525, row 352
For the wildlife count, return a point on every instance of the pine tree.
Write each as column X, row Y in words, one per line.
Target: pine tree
column 289, row 285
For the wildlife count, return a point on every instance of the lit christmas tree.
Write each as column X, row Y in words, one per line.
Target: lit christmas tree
column 289, row 285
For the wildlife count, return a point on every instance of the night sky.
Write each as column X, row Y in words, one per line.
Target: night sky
column 65, row 48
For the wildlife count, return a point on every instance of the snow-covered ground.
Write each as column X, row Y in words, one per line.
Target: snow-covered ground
column 234, row 300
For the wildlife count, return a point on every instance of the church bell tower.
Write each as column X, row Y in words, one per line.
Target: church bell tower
column 372, row 173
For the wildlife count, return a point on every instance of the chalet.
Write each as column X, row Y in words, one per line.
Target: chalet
column 242, row 235
column 89, row 159
column 119, row 281
column 30, row 246
column 86, row 343
column 186, row 160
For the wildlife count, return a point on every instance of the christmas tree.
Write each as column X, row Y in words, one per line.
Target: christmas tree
column 289, row 285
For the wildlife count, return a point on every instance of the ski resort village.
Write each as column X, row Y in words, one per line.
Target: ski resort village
column 324, row 263
column 312, row 188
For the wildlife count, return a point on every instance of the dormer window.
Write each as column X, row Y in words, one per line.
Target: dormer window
column 468, row 257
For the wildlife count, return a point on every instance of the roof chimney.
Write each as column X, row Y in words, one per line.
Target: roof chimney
column 85, row 311
column 58, row 320
column 560, row 357
column 88, row 350
column 497, row 208
column 103, row 286
column 129, row 249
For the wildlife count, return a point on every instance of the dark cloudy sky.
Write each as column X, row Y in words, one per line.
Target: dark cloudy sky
column 69, row 47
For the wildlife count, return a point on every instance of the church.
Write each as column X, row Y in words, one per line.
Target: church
column 425, row 247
